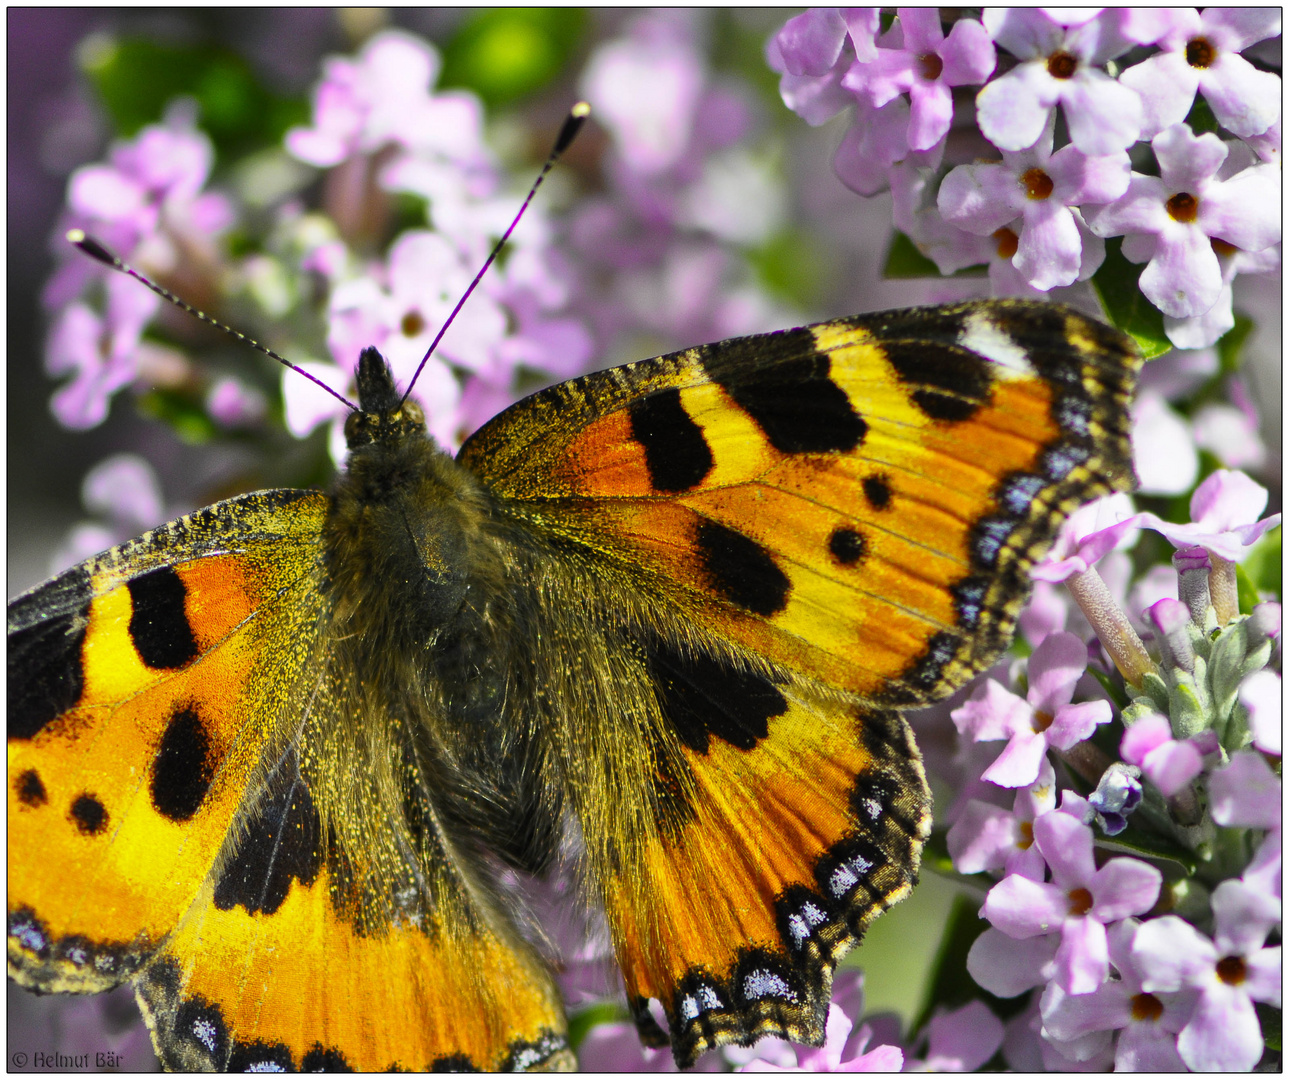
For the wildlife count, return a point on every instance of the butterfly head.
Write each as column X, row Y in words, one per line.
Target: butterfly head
column 383, row 416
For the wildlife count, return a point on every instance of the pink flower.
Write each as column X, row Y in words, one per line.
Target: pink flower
column 1059, row 64
column 959, row 1040
column 1170, row 763
column 813, row 51
column 1086, row 536
column 1230, row 972
column 383, row 98
column 123, row 493
column 987, row 837
column 1245, row 792
column 1261, row 696
column 1224, row 516
column 1200, row 51
column 1171, row 219
column 1043, row 718
column 99, row 351
column 1230, row 432
column 1037, row 189
column 1163, row 446
column 1147, row 1023
column 1079, row 903
column 920, row 61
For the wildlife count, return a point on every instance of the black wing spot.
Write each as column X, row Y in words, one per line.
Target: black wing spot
column 321, row 1059
column 948, row 383
column 46, row 676
column 741, row 570
column 454, row 1063
column 877, row 491
column 89, row 814
column 30, row 788
column 702, row 695
column 783, row 382
column 182, row 769
column 676, row 453
column 159, row 624
column 281, row 842
column 847, row 546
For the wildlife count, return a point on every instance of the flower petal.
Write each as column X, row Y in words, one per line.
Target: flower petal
column 1170, row 954
column 1021, row 908
column 1103, row 115
column 1082, row 961
column 1007, row 967
column 1167, row 85
column 1123, row 887
column 1183, row 278
column 1245, row 101
column 1223, row 1034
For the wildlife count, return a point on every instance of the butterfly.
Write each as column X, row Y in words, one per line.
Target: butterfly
column 287, row 763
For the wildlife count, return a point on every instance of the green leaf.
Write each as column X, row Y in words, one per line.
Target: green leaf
column 1271, row 1020
column 185, row 415
column 791, row 266
column 1125, row 306
column 1230, row 346
column 1201, row 118
column 950, row 984
column 903, row 260
column 581, row 1023
column 1136, row 841
column 507, row 53
column 1262, row 570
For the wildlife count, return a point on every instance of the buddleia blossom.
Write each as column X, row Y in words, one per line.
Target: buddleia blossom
column 1114, row 80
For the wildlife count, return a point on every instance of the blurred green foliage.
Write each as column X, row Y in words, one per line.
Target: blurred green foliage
column 503, row 54
column 136, row 78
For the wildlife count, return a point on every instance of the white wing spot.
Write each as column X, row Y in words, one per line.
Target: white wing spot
column 982, row 335
column 759, row 984
column 204, row 1031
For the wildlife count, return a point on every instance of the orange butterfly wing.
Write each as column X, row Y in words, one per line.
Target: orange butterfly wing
column 817, row 525
column 161, row 828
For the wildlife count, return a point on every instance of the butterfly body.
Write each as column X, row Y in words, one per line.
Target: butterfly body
column 650, row 628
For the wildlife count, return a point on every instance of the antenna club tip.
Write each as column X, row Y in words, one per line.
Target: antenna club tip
column 91, row 247
column 581, row 110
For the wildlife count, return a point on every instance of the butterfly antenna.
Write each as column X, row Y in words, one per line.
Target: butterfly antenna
column 95, row 250
column 572, row 125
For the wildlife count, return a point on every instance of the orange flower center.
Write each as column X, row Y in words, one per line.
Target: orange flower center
column 1038, row 185
column 931, row 66
column 1026, row 840
column 1231, row 970
column 1183, row 207
column 1008, row 242
column 1061, row 65
column 1147, row 1007
column 1080, row 901
column 412, row 323
column 1199, row 53
column 1042, row 720
column 1221, row 247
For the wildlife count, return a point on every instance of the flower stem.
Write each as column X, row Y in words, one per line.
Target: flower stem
column 1223, row 589
column 1111, row 626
